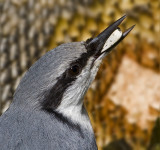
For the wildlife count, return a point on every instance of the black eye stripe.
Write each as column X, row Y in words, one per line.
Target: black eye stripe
column 82, row 60
column 54, row 97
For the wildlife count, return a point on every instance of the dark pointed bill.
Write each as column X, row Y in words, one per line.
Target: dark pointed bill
column 109, row 38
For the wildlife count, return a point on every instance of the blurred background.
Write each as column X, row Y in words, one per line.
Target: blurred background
column 124, row 100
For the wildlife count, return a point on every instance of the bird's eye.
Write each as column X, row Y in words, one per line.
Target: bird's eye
column 74, row 70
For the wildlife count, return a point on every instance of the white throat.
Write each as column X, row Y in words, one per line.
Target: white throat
column 75, row 114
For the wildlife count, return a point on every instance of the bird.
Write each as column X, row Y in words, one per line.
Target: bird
column 47, row 111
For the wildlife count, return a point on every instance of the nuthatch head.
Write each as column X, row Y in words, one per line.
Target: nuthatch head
column 59, row 80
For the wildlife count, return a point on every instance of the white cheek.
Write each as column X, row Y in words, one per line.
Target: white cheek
column 71, row 104
column 114, row 37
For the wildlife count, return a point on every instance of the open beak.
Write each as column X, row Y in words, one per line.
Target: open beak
column 109, row 38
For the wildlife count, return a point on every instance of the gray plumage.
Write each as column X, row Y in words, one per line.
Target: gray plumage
column 47, row 111
column 25, row 126
column 28, row 129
